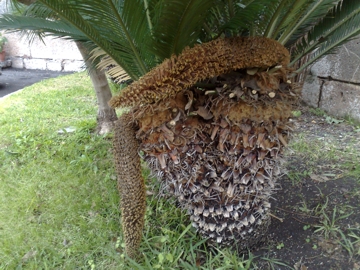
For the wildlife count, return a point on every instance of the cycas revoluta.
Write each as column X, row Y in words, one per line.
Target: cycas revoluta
column 213, row 120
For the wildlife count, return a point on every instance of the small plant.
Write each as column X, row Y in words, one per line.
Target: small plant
column 280, row 246
column 296, row 113
column 328, row 224
column 351, row 242
column 317, row 111
column 273, row 263
column 332, row 120
column 3, row 41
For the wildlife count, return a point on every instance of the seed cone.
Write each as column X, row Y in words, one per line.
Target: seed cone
column 130, row 183
column 199, row 63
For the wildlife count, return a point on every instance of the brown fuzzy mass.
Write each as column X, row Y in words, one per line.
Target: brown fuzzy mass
column 203, row 61
column 130, row 183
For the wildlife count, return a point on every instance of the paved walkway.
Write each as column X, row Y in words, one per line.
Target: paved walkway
column 13, row 79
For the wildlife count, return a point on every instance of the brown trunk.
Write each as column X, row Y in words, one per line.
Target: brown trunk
column 106, row 115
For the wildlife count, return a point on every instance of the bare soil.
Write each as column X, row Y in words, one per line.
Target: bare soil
column 311, row 188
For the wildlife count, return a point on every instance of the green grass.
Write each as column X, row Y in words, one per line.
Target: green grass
column 59, row 202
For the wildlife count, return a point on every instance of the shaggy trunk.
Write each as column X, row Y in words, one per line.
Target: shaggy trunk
column 212, row 124
column 106, row 115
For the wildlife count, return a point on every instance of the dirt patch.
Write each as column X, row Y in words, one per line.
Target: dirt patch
column 316, row 222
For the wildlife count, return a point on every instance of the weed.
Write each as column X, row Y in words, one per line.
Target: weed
column 328, row 224
column 272, row 262
column 350, row 241
column 296, row 113
column 332, row 120
column 317, row 111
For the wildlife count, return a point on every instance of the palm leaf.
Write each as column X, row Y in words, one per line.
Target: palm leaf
column 288, row 12
column 40, row 27
column 334, row 22
column 111, row 27
column 305, row 19
column 349, row 29
column 176, row 24
column 244, row 18
column 267, row 16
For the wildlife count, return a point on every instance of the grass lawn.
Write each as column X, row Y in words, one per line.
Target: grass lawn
column 59, row 202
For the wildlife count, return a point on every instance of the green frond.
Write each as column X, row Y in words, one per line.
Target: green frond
column 278, row 15
column 266, row 16
column 112, row 68
column 38, row 10
column 349, row 28
column 246, row 18
column 308, row 15
column 287, row 14
column 40, row 27
column 334, row 22
column 177, row 24
column 118, row 27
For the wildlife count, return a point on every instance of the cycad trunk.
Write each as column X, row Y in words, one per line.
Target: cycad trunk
column 216, row 145
column 106, row 115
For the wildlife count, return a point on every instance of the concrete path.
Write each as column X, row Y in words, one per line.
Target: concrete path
column 13, row 79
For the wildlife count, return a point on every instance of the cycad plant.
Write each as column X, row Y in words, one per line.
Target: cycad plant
column 212, row 95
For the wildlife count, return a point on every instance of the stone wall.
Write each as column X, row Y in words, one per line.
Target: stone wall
column 333, row 84
column 55, row 54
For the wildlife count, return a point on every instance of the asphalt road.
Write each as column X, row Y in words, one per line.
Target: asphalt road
column 13, row 79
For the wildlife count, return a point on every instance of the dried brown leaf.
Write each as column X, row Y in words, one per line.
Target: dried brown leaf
column 204, row 113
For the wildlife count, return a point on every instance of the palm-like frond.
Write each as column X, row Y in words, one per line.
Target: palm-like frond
column 118, row 27
column 338, row 22
column 309, row 14
column 245, row 16
column 285, row 10
column 176, row 24
column 269, row 17
column 339, row 27
column 41, row 26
